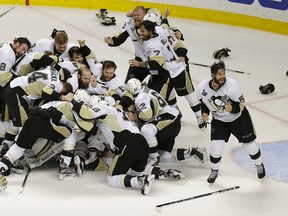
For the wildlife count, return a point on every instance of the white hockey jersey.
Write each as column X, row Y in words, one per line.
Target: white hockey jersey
column 34, row 82
column 44, row 44
column 159, row 49
column 216, row 100
column 150, row 105
column 135, row 37
column 104, row 88
column 7, row 60
column 109, row 120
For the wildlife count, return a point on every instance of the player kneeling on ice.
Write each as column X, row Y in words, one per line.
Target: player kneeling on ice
column 55, row 121
column 160, row 125
column 129, row 149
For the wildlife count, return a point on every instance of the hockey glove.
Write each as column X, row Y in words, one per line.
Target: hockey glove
column 218, row 54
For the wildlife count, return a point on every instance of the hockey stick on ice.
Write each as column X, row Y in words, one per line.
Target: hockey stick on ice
column 25, row 180
column 198, row 196
column 231, row 70
column 7, row 11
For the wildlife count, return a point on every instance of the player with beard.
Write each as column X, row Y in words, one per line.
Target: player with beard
column 224, row 99
column 130, row 29
column 10, row 54
column 107, row 83
column 81, row 79
column 162, row 61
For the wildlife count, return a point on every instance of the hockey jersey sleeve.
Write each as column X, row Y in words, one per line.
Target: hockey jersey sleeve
column 119, row 39
column 52, row 92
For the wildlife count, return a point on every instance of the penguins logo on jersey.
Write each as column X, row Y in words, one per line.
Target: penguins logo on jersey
column 218, row 103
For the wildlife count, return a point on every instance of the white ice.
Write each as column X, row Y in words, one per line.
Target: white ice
column 262, row 54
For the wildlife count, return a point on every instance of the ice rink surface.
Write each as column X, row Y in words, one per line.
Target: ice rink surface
column 262, row 54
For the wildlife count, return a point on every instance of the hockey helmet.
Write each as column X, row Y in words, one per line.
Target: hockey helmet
column 82, row 96
column 153, row 18
column 134, row 86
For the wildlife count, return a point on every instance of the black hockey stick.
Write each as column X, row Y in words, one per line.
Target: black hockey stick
column 25, row 180
column 7, row 11
column 231, row 70
column 198, row 196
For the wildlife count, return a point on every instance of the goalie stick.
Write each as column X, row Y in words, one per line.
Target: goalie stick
column 198, row 196
column 231, row 70
column 25, row 180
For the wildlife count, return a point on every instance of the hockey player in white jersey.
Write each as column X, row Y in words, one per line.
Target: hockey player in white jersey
column 59, row 46
column 10, row 53
column 55, row 121
column 107, row 83
column 161, row 125
column 163, row 61
column 23, row 91
column 130, row 29
column 129, row 148
column 223, row 98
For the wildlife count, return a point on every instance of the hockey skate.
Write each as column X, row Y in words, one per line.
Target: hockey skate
column 199, row 154
column 5, row 165
column 261, row 173
column 171, row 174
column 212, row 177
column 146, row 182
column 65, row 171
column 79, row 165
column 3, row 183
column 5, row 148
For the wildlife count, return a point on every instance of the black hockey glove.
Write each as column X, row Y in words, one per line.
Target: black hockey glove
column 224, row 52
column 267, row 89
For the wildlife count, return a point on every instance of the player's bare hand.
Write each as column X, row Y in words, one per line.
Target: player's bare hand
column 166, row 13
column 93, row 81
column 205, row 117
column 81, row 43
column 109, row 40
column 133, row 63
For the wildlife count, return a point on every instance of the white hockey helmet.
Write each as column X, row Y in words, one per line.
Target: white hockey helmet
column 134, row 86
column 153, row 18
column 82, row 95
column 97, row 100
column 155, row 11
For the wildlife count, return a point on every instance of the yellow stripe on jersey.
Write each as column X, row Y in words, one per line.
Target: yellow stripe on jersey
column 5, row 78
column 34, row 89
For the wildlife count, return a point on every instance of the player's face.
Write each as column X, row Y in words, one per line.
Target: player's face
column 108, row 74
column 77, row 58
column 145, row 35
column 61, row 47
column 220, row 77
column 138, row 17
column 84, row 79
column 20, row 49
